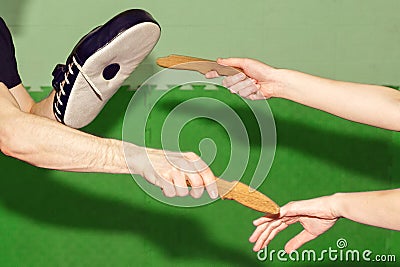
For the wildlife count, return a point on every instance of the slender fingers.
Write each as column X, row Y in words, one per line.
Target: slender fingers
column 262, row 220
column 267, row 229
column 168, row 188
column 259, row 230
column 258, row 95
column 205, row 173
column 299, row 240
column 244, row 88
column 198, row 173
column 265, row 234
column 262, row 227
column 179, row 180
column 231, row 80
column 274, row 232
column 211, row 185
column 212, row 74
column 196, row 183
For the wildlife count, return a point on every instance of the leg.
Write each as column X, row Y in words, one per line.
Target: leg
column 43, row 108
column 10, row 77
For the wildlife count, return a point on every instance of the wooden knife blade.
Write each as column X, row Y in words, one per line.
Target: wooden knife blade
column 246, row 196
column 196, row 64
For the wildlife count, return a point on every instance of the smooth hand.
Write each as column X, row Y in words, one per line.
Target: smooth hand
column 171, row 170
column 259, row 81
column 315, row 215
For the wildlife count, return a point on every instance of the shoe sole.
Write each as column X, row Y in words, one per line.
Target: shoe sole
column 128, row 50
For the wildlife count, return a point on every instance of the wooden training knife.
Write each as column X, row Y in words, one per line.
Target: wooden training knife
column 246, row 196
column 234, row 190
column 196, row 64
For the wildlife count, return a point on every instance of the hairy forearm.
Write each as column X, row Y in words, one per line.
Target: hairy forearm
column 369, row 104
column 377, row 208
column 48, row 144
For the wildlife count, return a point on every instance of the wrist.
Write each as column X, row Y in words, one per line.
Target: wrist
column 281, row 81
column 134, row 157
column 293, row 85
column 114, row 158
column 335, row 203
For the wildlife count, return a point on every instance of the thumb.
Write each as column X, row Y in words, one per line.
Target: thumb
column 299, row 240
column 232, row 62
column 300, row 208
column 290, row 209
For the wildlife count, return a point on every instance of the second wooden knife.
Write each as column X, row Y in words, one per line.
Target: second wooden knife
column 246, row 196
column 196, row 64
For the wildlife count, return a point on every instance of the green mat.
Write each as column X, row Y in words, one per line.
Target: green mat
column 51, row 218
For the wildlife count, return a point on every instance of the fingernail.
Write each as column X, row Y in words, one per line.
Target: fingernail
column 214, row 194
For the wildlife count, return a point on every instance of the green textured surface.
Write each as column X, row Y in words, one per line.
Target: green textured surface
column 50, row 218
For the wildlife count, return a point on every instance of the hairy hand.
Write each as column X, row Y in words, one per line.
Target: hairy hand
column 171, row 171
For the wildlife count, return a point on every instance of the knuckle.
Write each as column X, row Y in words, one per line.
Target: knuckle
column 208, row 174
column 248, row 82
column 163, row 173
column 192, row 155
column 176, row 175
column 242, row 93
column 196, row 183
column 166, row 178
column 276, row 223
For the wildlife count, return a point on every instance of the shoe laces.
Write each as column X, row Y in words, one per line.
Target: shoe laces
column 66, row 81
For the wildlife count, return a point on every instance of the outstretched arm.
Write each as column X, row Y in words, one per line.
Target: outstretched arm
column 48, row 144
column 378, row 208
column 369, row 104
